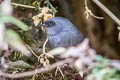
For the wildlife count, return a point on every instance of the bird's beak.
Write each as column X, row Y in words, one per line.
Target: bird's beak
column 42, row 26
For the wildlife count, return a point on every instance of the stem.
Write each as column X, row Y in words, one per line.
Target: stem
column 26, row 6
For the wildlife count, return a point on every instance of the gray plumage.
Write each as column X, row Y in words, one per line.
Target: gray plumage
column 62, row 33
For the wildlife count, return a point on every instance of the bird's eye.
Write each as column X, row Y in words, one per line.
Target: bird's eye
column 50, row 23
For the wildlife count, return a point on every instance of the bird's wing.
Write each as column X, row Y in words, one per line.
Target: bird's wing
column 68, row 38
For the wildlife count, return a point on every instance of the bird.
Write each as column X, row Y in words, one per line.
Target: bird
column 62, row 33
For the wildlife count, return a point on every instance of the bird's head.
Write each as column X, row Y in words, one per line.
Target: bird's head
column 56, row 25
column 52, row 26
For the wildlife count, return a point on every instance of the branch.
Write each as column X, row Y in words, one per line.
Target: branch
column 40, row 70
column 107, row 11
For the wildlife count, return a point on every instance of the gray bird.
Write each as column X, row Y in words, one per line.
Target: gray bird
column 62, row 33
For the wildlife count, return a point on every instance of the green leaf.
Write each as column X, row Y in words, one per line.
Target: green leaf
column 10, row 19
column 12, row 37
column 19, row 64
column 99, row 58
column 14, row 40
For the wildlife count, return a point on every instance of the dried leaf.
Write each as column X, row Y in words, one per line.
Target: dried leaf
column 2, row 31
column 57, row 51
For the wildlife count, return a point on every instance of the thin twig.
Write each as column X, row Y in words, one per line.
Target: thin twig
column 58, row 68
column 45, row 45
column 26, row 6
column 88, row 12
column 44, row 52
column 107, row 11
column 40, row 70
column 32, row 51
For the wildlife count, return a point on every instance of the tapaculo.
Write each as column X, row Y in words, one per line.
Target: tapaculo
column 62, row 33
